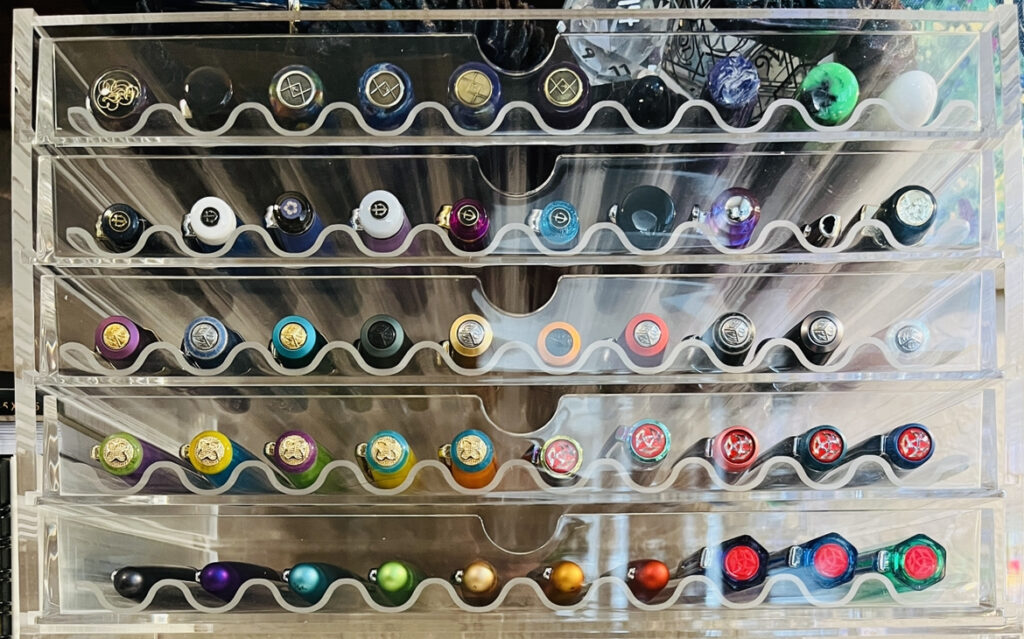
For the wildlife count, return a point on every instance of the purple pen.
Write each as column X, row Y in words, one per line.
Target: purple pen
column 119, row 340
column 223, row 579
column 467, row 223
column 733, row 217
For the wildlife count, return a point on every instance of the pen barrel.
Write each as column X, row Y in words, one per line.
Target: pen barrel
column 223, row 579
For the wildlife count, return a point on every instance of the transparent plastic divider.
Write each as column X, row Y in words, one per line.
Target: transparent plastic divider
column 964, row 426
column 950, row 308
column 359, row 543
column 794, row 190
column 954, row 56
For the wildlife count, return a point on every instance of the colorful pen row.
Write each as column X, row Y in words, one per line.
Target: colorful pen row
column 646, row 214
column 561, row 92
column 738, row 564
column 383, row 343
column 387, row 458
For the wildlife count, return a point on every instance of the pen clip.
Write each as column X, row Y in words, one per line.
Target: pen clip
column 444, row 454
column 361, row 459
column 443, row 215
column 268, row 218
column 354, row 221
column 533, row 220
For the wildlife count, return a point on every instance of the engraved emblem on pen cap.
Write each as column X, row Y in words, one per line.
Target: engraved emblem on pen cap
column 473, row 88
column 117, row 452
column 204, row 336
column 296, row 89
column 386, row 451
column 647, row 333
column 384, row 89
column 563, row 87
column 116, row 93
column 293, row 336
column 116, row 336
column 294, row 450
column 209, row 451
column 471, row 450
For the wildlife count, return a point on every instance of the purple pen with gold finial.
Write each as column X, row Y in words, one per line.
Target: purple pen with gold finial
column 119, row 340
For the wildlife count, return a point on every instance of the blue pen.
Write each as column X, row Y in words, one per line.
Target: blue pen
column 557, row 224
column 293, row 222
column 208, row 342
column 385, row 96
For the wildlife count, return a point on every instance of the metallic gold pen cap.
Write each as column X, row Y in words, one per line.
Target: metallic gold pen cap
column 478, row 578
column 209, row 452
column 566, row 577
column 470, row 335
column 472, row 88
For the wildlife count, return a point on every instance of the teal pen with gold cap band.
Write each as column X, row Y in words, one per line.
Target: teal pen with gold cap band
column 386, row 458
column 394, row 582
column 295, row 342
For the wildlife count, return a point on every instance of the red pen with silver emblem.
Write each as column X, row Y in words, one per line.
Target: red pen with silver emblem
column 739, row 563
column 906, row 447
column 645, row 339
column 732, row 451
column 644, row 445
column 558, row 459
column 819, row 450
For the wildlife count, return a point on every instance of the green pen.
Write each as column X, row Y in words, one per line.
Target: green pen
column 395, row 582
column 913, row 564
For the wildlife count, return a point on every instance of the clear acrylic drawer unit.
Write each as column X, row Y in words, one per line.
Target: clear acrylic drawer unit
column 691, row 322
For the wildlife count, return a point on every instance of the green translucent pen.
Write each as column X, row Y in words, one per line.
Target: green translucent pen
column 913, row 564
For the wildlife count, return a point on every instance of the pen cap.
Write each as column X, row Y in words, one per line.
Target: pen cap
column 294, row 337
column 294, row 451
column 559, row 344
column 822, row 448
column 118, row 338
column 206, row 339
column 646, row 335
column 118, row 94
column 120, row 454
column 296, row 91
column 211, row 221
column 381, row 215
column 561, row 457
column 120, row 225
column 382, row 339
column 830, row 92
column 558, row 224
column 387, row 452
column 208, row 90
column 209, row 452
column 909, row 446
column 648, row 441
column 918, row 562
column 743, row 562
column 734, row 449
column 292, row 213
column 470, row 335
